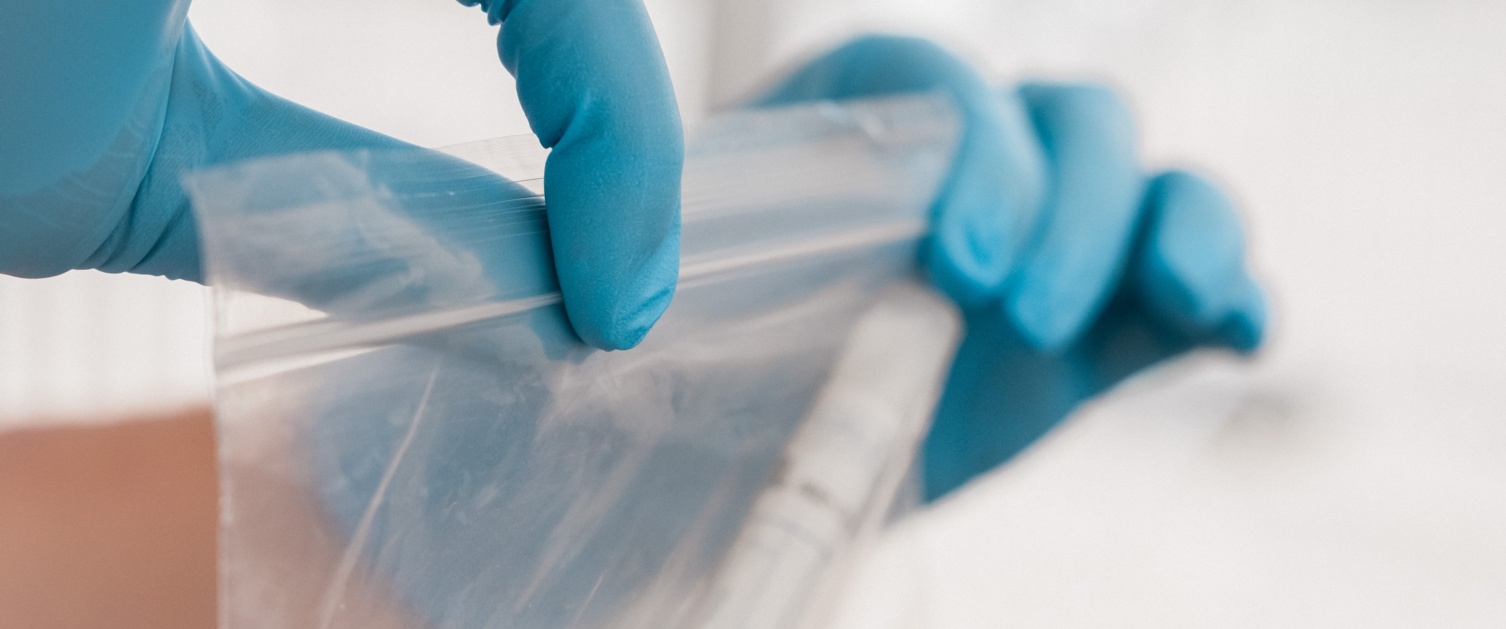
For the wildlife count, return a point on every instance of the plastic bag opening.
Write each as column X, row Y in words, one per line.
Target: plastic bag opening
column 410, row 436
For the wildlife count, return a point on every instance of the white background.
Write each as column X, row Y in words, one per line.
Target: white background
column 1353, row 475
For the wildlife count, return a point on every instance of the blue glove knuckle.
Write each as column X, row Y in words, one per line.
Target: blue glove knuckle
column 1081, row 108
column 876, row 65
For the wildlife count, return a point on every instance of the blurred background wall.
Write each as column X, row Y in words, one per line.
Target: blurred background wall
column 1351, row 476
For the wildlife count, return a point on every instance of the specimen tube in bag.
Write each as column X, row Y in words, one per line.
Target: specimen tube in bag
column 410, row 435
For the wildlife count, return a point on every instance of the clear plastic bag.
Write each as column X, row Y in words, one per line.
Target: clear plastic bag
column 410, row 435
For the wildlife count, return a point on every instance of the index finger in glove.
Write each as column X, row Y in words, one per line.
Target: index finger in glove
column 990, row 199
column 1087, row 230
column 596, row 90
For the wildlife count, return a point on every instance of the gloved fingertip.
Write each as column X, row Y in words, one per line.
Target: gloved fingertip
column 1043, row 323
column 626, row 328
column 963, row 267
column 975, row 237
column 962, row 289
column 1241, row 333
column 1244, row 329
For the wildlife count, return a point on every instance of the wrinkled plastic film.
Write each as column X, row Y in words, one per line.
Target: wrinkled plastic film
column 411, row 436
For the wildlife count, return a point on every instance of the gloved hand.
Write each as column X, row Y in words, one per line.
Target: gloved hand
column 1074, row 268
column 107, row 104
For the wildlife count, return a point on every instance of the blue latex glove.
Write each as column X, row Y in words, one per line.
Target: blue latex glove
column 1073, row 267
column 107, row 104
